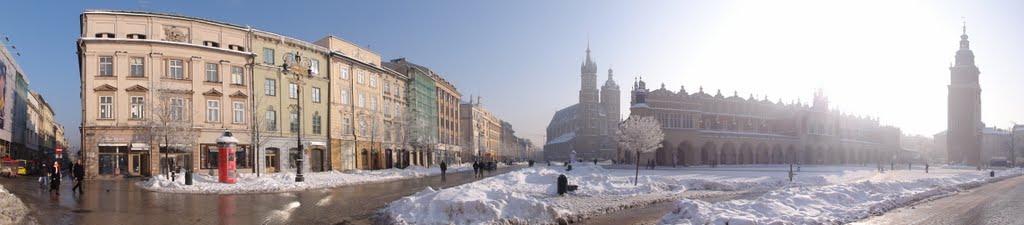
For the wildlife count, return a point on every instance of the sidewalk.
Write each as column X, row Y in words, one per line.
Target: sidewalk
column 122, row 202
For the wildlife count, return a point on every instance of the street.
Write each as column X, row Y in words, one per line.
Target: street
column 995, row 203
column 121, row 202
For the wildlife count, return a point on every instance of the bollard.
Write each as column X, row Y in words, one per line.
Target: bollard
column 188, row 177
column 563, row 183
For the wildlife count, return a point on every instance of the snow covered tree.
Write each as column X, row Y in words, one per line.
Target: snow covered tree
column 642, row 135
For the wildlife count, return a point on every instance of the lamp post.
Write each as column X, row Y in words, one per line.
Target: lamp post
column 285, row 70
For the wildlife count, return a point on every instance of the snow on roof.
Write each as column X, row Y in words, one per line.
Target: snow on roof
column 563, row 138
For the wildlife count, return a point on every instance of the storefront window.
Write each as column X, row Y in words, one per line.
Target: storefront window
column 293, row 154
column 242, row 155
column 209, row 156
column 113, row 160
column 178, row 157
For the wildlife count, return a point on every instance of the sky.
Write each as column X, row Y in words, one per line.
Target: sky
column 884, row 59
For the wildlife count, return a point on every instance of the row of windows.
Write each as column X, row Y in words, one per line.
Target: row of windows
column 674, row 120
column 175, row 69
column 270, row 89
column 175, row 112
column 269, row 58
column 271, row 121
column 143, row 36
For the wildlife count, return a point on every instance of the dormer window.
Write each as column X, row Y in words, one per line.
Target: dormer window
column 236, row 48
column 136, row 36
column 105, row 35
column 211, row 44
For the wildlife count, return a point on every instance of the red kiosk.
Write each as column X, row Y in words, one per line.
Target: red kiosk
column 226, row 160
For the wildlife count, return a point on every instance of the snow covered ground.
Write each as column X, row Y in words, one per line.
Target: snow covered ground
column 528, row 196
column 840, row 203
column 12, row 210
column 285, row 181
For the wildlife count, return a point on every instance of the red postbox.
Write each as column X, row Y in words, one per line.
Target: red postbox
column 226, row 160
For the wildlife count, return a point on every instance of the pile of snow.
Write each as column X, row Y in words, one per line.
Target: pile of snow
column 285, row 181
column 529, row 196
column 12, row 210
column 833, row 204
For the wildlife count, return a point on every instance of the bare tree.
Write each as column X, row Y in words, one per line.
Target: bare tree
column 417, row 131
column 166, row 118
column 640, row 134
column 261, row 127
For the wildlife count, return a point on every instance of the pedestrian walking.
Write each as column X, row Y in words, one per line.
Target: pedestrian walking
column 55, row 178
column 926, row 168
column 79, row 172
column 595, row 161
column 444, row 168
column 476, row 169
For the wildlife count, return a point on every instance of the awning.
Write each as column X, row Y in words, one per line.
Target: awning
column 316, row 143
column 113, row 144
column 140, row 147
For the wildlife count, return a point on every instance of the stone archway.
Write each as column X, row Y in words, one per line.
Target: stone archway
column 792, row 155
column 709, row 153
column 746, row 154
column 778, row 156
column 762, row 153
column 682, row 151
column 729, row 155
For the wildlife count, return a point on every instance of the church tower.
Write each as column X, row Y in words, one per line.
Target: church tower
column 963, row 133
column 589, row 123
column 610, row 102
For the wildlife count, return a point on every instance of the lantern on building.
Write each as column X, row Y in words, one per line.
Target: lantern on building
column 226, row 149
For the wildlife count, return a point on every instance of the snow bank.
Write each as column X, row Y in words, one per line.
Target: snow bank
column 285, row 181
column 529, row 196
column 831, row 204
column 12, row 210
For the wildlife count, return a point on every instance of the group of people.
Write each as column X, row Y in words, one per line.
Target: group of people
column 54, row 175
column 479, row 167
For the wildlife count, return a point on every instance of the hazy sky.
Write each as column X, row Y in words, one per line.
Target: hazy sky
column 887, row 59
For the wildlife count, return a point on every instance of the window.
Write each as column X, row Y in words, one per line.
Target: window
column 209, row 156
column 362, row 100
column 136, row 36
column 346, row 126
column 373, row 81
column 344, row 73
column 362, row 77
column 316, row 95
column 295, row 122
column 239, row 112
column 212, row 110
column 316, row 123
column 293, row 90
column 211, row 73
column 177, row 108
column 138, row 68
column 387, row 107
column 236, row 48
column 106, row 66
column 175, row 70
column 106, row 107
column 271, row 118
column 314, row 66
column 211, row 44
column 268, row 56
column 289, row 58
column 387, row 87
column 270, row 87
column 344, row 97
column 373, row 103
column 137, row 107
column 237, row 75
column 105, row 35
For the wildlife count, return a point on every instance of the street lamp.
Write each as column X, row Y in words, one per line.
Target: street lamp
column 286, row 69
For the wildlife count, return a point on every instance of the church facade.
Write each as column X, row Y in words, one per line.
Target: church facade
column 704, row 129
column 589, row 126
column 964, row 126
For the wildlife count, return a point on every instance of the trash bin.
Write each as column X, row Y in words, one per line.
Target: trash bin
column 188, row 177
column 569, row 168
column 563, row 184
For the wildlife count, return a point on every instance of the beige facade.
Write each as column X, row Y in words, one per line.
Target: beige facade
column 143, row 71
column 362, row 111
column 448, row 129
column 276, row 96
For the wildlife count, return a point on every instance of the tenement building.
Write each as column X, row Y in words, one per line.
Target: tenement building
column 157, row 90
column 703, row 129
column 964, row 126
column 589, row 126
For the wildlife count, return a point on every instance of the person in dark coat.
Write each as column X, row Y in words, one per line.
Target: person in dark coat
column 444, row 168
column 79, row 172
column 55, row 178
column 476, row 169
